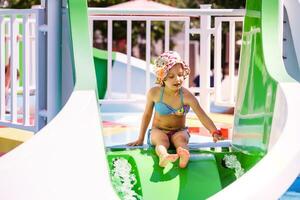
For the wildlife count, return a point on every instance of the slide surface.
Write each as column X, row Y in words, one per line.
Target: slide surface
column 266, row 120
column 51, row 166
column 198, row 181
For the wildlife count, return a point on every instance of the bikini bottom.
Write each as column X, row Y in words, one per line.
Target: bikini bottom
column 169, row 133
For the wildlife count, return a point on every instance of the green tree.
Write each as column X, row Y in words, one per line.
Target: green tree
column 19, row 3
column 138, row 29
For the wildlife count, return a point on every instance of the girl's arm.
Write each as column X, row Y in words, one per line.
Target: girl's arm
column 145, row 120
column 203, row 117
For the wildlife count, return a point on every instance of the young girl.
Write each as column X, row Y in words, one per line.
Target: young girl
column 172, row 102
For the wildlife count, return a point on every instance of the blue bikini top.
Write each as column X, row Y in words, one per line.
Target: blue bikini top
column 164, row 109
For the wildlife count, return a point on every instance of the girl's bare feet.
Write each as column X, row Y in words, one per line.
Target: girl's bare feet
column 165, row 159
column 184, row 156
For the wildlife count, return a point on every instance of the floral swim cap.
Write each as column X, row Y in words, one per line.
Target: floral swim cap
column 164, row 64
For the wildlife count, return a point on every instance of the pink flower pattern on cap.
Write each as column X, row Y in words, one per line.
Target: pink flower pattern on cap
column 164, row 64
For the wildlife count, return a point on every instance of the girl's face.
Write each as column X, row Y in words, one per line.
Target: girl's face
column 175, row 77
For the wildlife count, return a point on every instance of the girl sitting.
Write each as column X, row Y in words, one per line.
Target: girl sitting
column 172, row 102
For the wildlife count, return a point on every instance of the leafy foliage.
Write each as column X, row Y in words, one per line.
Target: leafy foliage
column 178, row 3
column 138, row 29
column 19, row 3
column 105, row 3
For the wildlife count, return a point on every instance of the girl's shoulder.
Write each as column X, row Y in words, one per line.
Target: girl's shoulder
column 155, row 89
column 186, row 92
column 187, row 95
column 154, row 92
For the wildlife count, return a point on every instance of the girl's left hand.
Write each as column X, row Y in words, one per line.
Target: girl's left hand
column 136, row 143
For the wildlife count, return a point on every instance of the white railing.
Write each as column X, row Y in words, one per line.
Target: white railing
column 232, row 76
column 19, row 59
column 178, row 15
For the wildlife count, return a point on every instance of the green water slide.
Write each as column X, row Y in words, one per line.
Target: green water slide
column 205, row 175
column 264, row 127
column 78, row 167
column 267, row 111
column 100, row 61
column 198, row 181
column 261, row 69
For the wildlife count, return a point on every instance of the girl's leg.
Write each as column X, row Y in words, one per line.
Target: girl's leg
column 180, row 140
column 162, row 143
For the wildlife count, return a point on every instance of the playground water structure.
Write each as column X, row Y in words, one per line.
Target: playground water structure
column 119, row 91
column 138, row 68
column 51, row 166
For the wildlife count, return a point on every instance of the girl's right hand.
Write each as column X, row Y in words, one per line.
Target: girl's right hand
column 217, row 135
column 138, row 142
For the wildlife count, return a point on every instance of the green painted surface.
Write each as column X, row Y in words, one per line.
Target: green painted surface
column 134, row 170
column 205, row 175
column 227, row 175
column 198, row 181
column 261, row 68
column 85, row 76
column 100, row 60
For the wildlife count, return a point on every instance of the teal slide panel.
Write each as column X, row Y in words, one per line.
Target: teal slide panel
column 100, row 60
column 198, row 181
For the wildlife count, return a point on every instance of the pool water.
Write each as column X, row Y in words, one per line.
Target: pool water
column 293, row 192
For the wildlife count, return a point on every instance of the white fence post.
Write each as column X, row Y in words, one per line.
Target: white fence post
column 26, row 89
column 187, row 47
column 2, row 69
column 205, row 40
column 14, row 57
column 129, row 45
column 167, row 35
column 218, row 59
column 109, row 57
column 148, row 53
